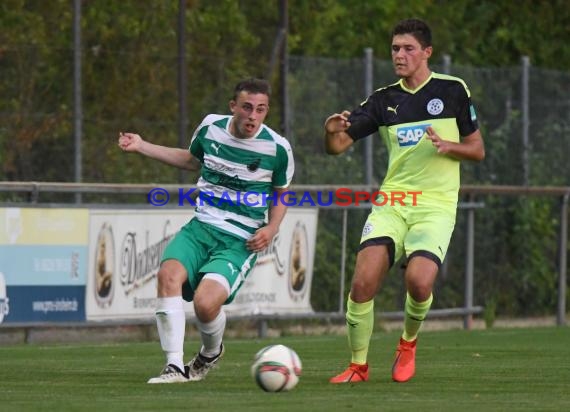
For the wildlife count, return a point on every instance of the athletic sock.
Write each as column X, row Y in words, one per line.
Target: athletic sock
column 359, row 322
column 171, row 324
column 415, row 313
column 212, row 334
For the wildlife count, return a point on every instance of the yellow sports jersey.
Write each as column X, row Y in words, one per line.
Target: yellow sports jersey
column 402, row 116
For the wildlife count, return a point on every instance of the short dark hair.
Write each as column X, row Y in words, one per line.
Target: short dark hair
column 417, row 28
column 253, row 85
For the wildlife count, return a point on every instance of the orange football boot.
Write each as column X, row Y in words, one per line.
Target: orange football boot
column 404, row 366
column 354, row 373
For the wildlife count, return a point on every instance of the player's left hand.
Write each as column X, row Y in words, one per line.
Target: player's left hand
column 442, row 146
column 261, row 239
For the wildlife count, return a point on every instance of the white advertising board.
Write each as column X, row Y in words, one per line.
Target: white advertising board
column 125, row 247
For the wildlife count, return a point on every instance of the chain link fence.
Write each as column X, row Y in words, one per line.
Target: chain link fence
column 320, row 87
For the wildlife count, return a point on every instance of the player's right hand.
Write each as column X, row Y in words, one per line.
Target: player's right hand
column 130, row 142
column 337, row 122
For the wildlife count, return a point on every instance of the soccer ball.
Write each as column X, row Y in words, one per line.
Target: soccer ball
column 276, row 368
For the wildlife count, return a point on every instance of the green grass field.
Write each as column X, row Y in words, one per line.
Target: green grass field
column 497, row 369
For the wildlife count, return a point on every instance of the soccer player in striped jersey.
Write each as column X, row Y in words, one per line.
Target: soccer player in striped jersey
column 245, row 169
column 428, row 124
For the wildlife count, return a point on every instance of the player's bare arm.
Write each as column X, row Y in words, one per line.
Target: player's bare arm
column 470, row 148
column 336, row 139
column 263, row 236
column 181, row 158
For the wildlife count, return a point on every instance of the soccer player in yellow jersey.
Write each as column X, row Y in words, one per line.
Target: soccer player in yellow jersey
column 428, row 124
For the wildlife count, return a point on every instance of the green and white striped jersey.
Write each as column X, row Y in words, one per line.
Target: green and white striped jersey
column 238, row 175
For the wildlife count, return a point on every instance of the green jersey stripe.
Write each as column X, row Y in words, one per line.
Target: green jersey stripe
column 242, row 226
column 222, row 225
column 252, row 207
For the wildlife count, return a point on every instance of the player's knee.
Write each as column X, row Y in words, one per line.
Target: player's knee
column 363, row 290
column 420, row 291
column 206, row 310
column 169, row 282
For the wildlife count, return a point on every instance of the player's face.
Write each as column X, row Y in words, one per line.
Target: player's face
column 249, row 112
column 408, row 56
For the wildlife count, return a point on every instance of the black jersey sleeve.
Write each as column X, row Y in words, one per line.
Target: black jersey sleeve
column 466, row 116
column 365, row 119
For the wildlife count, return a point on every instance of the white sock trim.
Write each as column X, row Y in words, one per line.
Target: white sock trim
column 170, row 303
column 220, row 279
column 212, row 334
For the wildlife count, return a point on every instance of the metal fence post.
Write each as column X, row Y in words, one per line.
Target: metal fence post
column 563, row 245
column 368, row 142
column 446, row 64
column 262, row 328
column 468, row 319
column 285, row 109
column 525, row 118
column 343, row 260
column 182, row 83
column 77, row 95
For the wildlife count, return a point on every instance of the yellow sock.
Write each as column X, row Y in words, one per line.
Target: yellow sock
column 415, row 313
column 359, row 322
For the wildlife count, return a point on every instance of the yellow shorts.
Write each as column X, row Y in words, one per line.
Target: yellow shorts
column 414, row 230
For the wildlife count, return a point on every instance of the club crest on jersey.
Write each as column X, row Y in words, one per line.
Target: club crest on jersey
column 367, row 229
column 410, row 135
column 435, row 107
column 252, row 167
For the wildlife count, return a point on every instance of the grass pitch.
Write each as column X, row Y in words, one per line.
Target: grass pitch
column 491, row 370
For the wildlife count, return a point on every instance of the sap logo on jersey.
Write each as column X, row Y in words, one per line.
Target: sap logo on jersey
column 411, row 135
